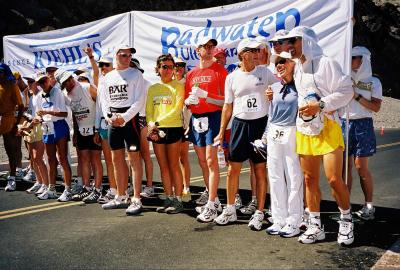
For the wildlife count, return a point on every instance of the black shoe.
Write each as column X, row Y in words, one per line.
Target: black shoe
column 92, row 197
column 81, row 195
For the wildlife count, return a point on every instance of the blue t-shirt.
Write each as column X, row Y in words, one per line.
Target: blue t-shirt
column 284, row 105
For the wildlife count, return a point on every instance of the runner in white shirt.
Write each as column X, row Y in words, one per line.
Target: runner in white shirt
column 52, row 111
column 362, row 142
column 81, row 99
column 246, row 102
column 123, row 100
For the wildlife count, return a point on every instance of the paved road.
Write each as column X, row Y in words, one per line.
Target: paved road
column 50, row 235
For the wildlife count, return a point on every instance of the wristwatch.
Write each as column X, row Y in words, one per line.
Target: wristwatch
column 321, row 104
column 357, row 98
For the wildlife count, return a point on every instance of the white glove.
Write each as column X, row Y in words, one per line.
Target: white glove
column 197, row 91
column 259, row 144
column 192, row 100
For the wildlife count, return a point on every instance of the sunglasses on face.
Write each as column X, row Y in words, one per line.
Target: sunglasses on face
column 167, row 67
column 104, row 65
column 282, row 61
column 252, row 50
column 182, row 65
column 356, row 57
column 125, row 55
column 208, row 47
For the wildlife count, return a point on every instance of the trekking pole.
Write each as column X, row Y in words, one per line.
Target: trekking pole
column 346, row 175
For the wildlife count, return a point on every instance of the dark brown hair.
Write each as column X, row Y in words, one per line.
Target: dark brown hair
column 162, row 58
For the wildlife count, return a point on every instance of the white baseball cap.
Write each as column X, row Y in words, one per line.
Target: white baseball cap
column 286, row 55
column 105, row 59
column 124, row 47
column 247, row 43
column 204, row 40
column 62, row 75
column 301, row 31
column 279, row 34
column 40, row 75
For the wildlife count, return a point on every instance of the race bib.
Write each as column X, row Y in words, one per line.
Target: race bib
column 251, row 103
column 279, row 134
column 48, row 128
column 103, row 123
column 200, row 124
column 86, row 131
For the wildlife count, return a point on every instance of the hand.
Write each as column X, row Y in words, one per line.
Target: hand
column 118, row 121
column 269, row 93
column 192, row 100
column 310, row 108
column 97, row 138
column 197, row 91
column 88, row 51
column 42, row 112
column 219, row 139
column 36, row 121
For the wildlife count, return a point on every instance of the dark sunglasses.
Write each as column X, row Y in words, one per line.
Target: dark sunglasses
column 182, row 65
column 167, row 67
column 104, row 65
column 252, row 50
column 356, row 57
column 282, row 61
column 125, row 55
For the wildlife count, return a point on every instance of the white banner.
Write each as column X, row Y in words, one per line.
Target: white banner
column 156, row 33
column 63, row 48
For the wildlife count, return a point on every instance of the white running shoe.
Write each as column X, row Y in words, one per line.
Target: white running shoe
column 203, row 199
column 65, row 196
column 227, row 216
column 250, row 208
column 313, row 234
column 217, row 205
column 135, row 208
column 147, row 192
column 238, row 202
column 11, row 186
column 48, row 194
column 366, row 213
column 106, row 198
column 30, row 176
column 117, row 203
column 256, row 221
column 42, row 189
column 289, row 230
column 346, row 232
column 274, row 229
column 34, row 188
column 208, row 215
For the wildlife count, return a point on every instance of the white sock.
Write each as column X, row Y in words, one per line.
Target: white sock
column 113, row 191
column 179, row 198
column 210, row 204
column 315, row 218
column 345, row 214
column 254, row 198
column 230, row 207
column 216, row 200
column 369, row 205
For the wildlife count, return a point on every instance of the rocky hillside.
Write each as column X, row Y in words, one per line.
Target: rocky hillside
column 377, row 23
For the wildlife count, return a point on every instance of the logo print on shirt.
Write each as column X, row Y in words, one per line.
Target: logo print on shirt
column 118, row 89
column 201, row 79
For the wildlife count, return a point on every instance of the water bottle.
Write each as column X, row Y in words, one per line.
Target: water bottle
column 221, row 158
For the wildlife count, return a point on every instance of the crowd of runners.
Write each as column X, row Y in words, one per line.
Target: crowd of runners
column 284, row 105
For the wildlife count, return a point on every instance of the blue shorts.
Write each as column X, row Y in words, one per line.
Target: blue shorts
column 61, row 131
column 242, row 133
column 206, row 137
column 362, row 140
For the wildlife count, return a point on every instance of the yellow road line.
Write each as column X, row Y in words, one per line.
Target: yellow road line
column 61, row 205
column 388, row 145
column 28, row 208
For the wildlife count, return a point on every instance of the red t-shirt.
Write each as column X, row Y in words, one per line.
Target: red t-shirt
column 212, row 80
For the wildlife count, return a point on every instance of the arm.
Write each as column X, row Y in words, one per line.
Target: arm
column 95, row 68
column 149, row 106
column 376, row 98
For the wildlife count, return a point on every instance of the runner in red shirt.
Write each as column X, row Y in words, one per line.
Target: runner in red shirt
column 204, row 93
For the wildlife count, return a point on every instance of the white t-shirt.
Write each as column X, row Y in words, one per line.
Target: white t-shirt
column 54, row 101
column 368, row 88
column 122, row 89
column 246, row 90
column 83, row 107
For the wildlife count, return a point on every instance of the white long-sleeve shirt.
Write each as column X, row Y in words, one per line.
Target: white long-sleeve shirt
column 334, row 87
column 122, row 89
